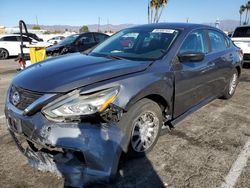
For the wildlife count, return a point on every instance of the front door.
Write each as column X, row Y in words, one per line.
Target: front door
column 191, row 78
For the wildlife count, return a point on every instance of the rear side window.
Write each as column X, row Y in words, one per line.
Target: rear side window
column 9, row 38
column 228, row 42
column 217, row 40
column 87, row 38
column 100, row 37
column 25, row 39
column 195, row 42
column 242, row 32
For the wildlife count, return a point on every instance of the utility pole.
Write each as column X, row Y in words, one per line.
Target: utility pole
column 99, row 20
column 148, row 13
column 36, row 21
column 107, row 25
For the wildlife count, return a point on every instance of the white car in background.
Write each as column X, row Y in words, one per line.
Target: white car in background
column 56, row 40
column 10, row 45
column 241, row 38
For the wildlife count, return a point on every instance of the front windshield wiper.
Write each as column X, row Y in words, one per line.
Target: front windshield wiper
column 113, row 57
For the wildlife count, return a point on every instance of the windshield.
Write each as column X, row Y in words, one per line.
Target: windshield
column 68, row 39
column 242, row 32
column 137, row 44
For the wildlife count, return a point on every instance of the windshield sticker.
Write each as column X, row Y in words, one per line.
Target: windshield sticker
column 163, row 31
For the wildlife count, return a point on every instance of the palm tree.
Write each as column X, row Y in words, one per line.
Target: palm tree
column 241, row 11
column 163, row 4
column 156, row 6
column 247, row 8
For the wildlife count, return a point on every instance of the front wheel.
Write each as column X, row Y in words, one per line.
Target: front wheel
column 233, row 82
column 145, row 120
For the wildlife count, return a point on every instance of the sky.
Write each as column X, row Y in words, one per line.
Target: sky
column 84, row 12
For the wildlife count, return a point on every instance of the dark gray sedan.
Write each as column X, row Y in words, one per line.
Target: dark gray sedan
column 75, row 114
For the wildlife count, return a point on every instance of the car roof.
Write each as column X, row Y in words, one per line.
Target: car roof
column 9, row 35
column 182, row 26
column 243, row 26
column 92, row 32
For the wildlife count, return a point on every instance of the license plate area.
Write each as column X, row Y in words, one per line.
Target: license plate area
column 14, row 124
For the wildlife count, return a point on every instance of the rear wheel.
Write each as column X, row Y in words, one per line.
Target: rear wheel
column 233, row 82
column 145, row 120
column 4, row 54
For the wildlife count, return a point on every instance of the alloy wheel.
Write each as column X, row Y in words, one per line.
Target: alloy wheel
column 145, row 129
column 3, row 54
column 233, row 83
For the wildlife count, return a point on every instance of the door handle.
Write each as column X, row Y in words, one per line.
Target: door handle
column 231, row 56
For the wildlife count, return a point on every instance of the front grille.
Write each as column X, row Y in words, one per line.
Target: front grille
column 26, row 97
column 246, row 57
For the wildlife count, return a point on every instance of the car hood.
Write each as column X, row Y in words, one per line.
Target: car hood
column 71, row 71
column 54, row 47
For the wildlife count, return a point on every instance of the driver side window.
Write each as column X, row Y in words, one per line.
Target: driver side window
column 195, row 42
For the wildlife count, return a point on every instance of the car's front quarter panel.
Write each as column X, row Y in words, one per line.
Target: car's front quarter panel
column 98, row 144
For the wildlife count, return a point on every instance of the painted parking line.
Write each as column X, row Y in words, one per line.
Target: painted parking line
column 237, row 167
column 2, row 116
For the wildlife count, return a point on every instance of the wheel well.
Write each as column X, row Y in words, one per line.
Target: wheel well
column 159, row 100
column 238, row 70
column 4, row 49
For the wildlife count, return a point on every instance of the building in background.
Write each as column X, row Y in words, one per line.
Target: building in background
column 2, row 29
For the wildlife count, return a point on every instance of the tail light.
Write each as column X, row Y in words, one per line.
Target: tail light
column 241, row 53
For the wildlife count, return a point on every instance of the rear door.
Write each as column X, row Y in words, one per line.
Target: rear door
column 26, row 41
column 191, row 78
column 222, row 57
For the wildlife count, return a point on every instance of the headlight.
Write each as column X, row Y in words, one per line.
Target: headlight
column 77, row 104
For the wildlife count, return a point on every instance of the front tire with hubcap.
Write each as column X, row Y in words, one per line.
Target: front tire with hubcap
column 145, row 121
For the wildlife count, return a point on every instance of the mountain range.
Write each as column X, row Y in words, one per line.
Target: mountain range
column 92, row 27
column 226, row 25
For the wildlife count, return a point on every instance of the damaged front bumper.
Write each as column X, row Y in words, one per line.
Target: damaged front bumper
column 80, row 152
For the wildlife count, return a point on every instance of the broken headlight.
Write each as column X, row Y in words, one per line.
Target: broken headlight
column 77, row 104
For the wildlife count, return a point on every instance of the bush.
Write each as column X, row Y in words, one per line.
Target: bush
column 84, row 29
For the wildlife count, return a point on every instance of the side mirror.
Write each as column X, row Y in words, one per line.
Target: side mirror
column 230, row 35
column 191, row 56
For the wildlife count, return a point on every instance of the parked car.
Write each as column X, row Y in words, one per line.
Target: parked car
column 56, row 40
column 76, row 43
column 78, row 112
column 241, row 38
column 32, row 35
column 10, row 45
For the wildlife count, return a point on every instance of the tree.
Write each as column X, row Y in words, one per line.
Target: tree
column 36, row 27
column 156, row 9
column 84, row 29
column 248, row 11
column 241, row 11
column 245, row 9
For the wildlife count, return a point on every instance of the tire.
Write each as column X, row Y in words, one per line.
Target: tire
column 4, row 54
column 231, row 87
column 144, row 120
